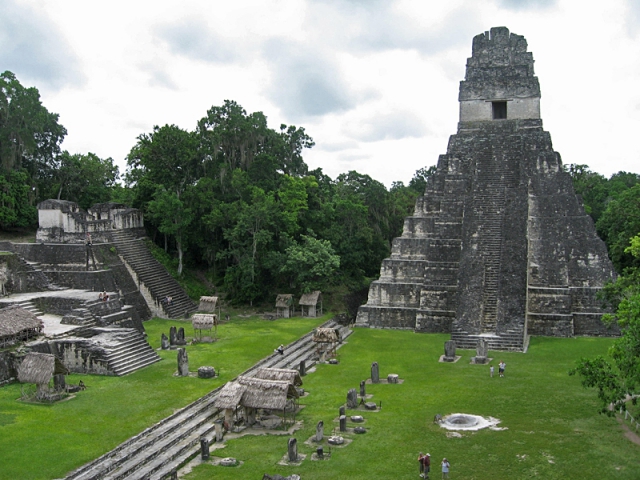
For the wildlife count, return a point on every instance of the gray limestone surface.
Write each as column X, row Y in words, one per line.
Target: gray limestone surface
column 499, row 246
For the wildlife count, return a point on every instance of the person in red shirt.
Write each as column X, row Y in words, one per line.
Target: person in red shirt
column 426, row 462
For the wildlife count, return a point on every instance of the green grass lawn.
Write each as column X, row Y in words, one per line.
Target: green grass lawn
column 48, row 441
column 553, row 430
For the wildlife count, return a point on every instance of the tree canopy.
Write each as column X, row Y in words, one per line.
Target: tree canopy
column 616, row 377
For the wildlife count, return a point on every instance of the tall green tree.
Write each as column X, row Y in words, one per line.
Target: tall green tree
column 172, row 216
column 616, row 377
column 162, row 166
column 30, row 138
column 15, row 208
column 85, row 179
column 618, row 224
column 30, row 135
column 250, row 243
column 310, row 264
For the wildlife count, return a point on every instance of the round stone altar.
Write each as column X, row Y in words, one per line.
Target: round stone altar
column 465, row 421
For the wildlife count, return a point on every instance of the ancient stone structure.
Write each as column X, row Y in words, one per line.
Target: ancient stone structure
column 292, row 450
column 449, row 351
column 363, row 388
column 343, row 423
column 206, row 372
column 183, row 362
column 204, row 448
column 499, row 246
column 62, row 221
column 482, row 350
column 319, row 431
column 352, row 398
column 375, row 373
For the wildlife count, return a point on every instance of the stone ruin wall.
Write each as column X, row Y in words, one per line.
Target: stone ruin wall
column 61, row 221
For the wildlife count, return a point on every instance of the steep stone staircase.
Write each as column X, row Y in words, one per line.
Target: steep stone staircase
column 161, row 449
column 489, row 205
column 511, row 340
column 153, row 275
column 131, row 353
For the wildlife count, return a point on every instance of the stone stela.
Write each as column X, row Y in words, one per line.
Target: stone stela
column 499, row 247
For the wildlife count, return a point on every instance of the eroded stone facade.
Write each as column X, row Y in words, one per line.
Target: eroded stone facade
column 499, row 246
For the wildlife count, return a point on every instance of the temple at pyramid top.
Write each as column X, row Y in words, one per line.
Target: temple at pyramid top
column 499, row 247
column 499, row 83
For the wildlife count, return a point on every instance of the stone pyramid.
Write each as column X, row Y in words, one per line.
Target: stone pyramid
column 499, row 246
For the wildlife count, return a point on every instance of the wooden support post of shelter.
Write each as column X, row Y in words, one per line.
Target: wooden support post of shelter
column 311, row 304
column 284, row 305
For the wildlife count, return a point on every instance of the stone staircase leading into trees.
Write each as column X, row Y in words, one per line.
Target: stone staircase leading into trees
column 153, row 276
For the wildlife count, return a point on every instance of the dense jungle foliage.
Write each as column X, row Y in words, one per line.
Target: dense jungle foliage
column 234, row 197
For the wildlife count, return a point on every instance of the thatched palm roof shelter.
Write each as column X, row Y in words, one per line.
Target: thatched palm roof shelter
column 203, row 321
column 282, row 374
column 208, row 304
column 18, row 324
column 38, row 368
column 230, row 396
column 326, row 340
column 284, row 305
column 255, row 393
column 325, row 335
column 311, row 303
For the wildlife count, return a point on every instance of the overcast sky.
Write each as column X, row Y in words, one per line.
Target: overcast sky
column 375, row 83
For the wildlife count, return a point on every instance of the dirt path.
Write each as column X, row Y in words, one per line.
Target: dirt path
column 629, row 433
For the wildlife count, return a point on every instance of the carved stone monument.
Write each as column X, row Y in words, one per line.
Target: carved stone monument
column 482, row 350
column 173, row 336
column 164, row 342
column 499, row 246
column 204, row 448
column 343, row 423
column 303, row 368
column 183, row 362
column 393, row 378
column 180, row 340
column 352, row 398
column 292, row 450
column 375, row 373
column 449, row 351
column 320, row 431
column 218, row 426
column 363, row 389
column 342, row 410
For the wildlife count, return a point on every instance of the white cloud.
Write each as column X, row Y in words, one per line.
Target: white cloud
column 375, row 83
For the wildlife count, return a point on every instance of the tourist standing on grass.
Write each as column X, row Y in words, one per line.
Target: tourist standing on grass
column 426, row 462
column 501, row 367
column 421, row 464
column 491, row 370
column 445, row 468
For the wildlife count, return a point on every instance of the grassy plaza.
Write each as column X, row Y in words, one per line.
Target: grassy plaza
column 552, row 426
